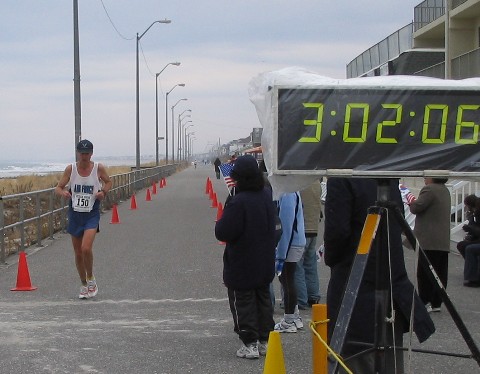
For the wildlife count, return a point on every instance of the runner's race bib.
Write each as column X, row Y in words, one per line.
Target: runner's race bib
column 83, row 202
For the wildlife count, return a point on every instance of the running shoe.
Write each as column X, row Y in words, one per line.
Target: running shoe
column 92, row 288
column 83, row 292
column 284, row 326
column 249, row 351
column 262, row 348
column 298, row 323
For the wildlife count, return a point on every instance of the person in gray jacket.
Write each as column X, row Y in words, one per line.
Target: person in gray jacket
column 432, row 229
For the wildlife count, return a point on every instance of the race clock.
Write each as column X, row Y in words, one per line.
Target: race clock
column 397, row 130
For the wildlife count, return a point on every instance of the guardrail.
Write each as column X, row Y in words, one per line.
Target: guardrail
column 28, row 218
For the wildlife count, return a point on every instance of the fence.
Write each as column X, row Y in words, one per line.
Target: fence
column 28, row 218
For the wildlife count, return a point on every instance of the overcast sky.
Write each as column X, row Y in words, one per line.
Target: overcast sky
column 221, row 46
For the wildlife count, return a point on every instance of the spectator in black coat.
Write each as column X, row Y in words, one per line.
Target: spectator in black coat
column 247, row 226
column 347, row 202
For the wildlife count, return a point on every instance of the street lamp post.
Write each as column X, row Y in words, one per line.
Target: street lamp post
column 188, row 143
column 156, row 108
column 166, row 120
column 173, row 128
column 180, row 131
column 190, row 152
column 137, row 134
column 185, row 153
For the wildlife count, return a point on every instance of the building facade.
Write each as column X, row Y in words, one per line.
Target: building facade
column 443, row 41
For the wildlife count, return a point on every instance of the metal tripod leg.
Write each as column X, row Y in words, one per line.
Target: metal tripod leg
column 436, row 281
column 356, row 274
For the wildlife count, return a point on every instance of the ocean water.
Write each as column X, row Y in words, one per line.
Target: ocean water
column 11, row 169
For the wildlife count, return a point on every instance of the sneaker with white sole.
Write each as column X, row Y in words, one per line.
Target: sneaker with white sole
column 249, row 351
column 92, row 288
column 83, row 292
column 284, row 326
column 298, row 323
column 262, row 348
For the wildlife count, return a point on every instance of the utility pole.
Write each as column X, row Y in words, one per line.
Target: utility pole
column 76, row 77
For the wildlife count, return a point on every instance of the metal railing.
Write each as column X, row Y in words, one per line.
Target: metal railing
column 431, row 10
column 389, row 48
column 28, row 218
column 463, row 66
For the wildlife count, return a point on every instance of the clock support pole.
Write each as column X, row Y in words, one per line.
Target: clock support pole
column 375, row 232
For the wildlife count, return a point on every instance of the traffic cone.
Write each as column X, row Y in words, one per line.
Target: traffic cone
column 219, row 211
column 154, row 188
column 207, row 186
column 274, row 361
column 133, row 202
column 214, row 201
column 148, row 197
column 164, row 182
column 23, row 275
column 115, row 218
column 210, row 194
column 160, row 184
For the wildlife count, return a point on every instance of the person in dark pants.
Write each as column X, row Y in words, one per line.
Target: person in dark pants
column 432, row 229
column 216, row 165
column 346, row 206
column 247, row 226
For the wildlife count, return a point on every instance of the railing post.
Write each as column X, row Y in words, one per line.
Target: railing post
column 22, row 224
column 38, row 219
column 2, row 233
column 51, row 221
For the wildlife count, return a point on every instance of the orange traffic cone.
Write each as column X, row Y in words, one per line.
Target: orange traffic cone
column 214, row 201
column 154, row 188
column 115, row 218
column 207, row 186
column 210, row 194
column 23, row 275
column 160, row 183
column 148, row 197
column 164, row 182
column 219, row 211
column 133, row 202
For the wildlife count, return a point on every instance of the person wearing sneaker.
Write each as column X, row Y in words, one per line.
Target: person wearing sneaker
column 289, row 251
column 247, row 226
column 88, row 184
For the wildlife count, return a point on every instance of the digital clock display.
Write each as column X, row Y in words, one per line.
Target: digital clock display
column 395, row 129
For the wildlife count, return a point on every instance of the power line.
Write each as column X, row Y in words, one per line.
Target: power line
column 110, row 19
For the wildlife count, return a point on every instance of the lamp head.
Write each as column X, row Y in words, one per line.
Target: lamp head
column 181, row 84
column 175, row 63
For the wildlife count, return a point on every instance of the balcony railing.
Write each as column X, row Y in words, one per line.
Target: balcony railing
column 382, row 52
column 463, row 66
column 427, row 12
column 431, row 10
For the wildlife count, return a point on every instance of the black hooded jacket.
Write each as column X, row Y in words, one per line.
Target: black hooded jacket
column 247, row 226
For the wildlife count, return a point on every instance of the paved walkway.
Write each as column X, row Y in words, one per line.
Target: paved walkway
column 161, row 306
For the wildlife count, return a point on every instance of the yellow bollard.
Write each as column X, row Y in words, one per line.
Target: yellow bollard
column 319, row 351
column 274, row 361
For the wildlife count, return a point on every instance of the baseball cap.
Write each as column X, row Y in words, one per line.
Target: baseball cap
column 85, row 146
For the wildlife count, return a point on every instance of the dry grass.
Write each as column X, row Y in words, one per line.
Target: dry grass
column 28, row 183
